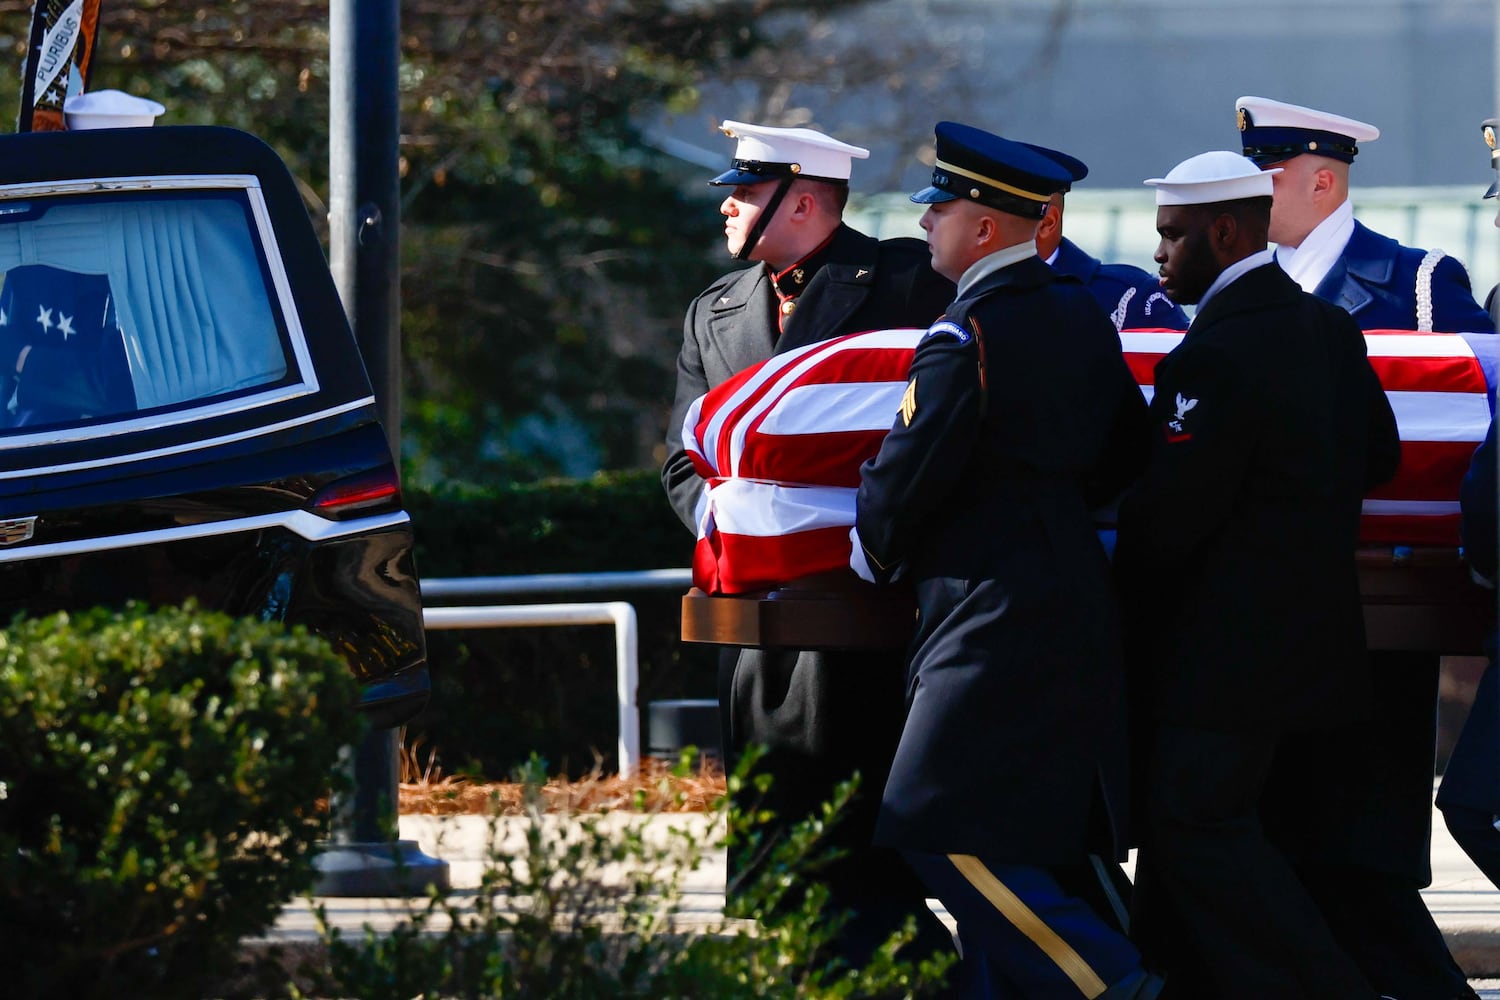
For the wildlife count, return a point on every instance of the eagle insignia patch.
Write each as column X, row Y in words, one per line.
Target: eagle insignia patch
column 1176, row 427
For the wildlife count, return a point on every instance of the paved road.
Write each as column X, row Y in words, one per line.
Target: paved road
column 1464, row 903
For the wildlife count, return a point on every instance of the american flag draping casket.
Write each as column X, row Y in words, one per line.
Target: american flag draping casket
column 780, row 445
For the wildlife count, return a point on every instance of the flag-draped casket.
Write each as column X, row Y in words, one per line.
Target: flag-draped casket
column 780, row 445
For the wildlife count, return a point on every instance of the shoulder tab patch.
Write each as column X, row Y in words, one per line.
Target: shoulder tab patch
column 950, row 328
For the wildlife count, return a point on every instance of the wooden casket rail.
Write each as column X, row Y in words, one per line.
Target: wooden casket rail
column 1415, row 599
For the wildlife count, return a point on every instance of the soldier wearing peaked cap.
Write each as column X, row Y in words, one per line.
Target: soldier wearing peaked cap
column 1242, row 609
column 820, row 716
column 1132, row 297
column 1366, row 855
column 1019, row 416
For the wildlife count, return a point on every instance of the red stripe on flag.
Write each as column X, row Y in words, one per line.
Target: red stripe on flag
column 725, row 563
column 1408, row 374
column 1430, row 470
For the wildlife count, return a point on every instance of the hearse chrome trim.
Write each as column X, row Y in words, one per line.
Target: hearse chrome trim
column 198, row 444
column 114, row 428
column 17, row 529
column 304, row 523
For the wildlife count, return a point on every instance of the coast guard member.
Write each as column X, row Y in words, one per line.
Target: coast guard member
column 1469, row 796
column 1236, row 562
column 1019, row 415
column 1371, row 854
column 821, row 716
column 1132, row 296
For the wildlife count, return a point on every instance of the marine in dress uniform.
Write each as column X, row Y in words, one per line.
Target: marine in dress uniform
column 1369, row 852
column 820, row 716
column 1469, row 796
column 1132, row 296
column 1236, row 562
column 1019, row 415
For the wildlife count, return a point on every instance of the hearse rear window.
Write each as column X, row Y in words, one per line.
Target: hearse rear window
column 128, row 303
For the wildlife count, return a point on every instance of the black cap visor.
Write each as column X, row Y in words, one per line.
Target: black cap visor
column 933, row 196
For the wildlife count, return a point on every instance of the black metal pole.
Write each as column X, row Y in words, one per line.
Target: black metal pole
column 365, row 858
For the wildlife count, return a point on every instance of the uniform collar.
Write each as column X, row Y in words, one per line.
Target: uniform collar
column 793, row 281
column 1309, row 262
column 986, row 266
column 1229, row 274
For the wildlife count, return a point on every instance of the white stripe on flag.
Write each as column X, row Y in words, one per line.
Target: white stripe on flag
column 815, row 354
column 830, row 407
column 1428, row 508
column 1417, row 345
column 749, row 507
column 1136, row 342
column 1441, row 416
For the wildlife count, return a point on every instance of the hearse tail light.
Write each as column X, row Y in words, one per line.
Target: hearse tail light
column 366, row 493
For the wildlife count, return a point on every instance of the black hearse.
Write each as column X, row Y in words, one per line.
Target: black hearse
column 183, row 410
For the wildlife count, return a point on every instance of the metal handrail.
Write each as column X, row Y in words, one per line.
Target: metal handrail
column 617, row 613
column 541, row 583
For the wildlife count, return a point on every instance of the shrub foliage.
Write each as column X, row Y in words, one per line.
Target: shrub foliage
column 160, row 784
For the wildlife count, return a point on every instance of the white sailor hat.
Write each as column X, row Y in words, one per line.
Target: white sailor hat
column 109, row 109
column 1272, row 131
column 1220, row 175
column 764, row 153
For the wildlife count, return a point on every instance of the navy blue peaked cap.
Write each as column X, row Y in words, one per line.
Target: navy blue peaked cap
column 992, row 170
column 1076, row 168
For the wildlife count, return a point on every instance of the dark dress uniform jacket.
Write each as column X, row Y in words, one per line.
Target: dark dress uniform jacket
column 1132, row 296
column 1236, row 550
column 1375, row 281
column 822, row 715
column 1022, row 416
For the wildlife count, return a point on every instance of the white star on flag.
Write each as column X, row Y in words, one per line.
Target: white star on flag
column 65, row 326
column 44, row 317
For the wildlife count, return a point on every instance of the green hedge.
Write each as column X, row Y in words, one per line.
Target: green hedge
column 501, row 694
column 160, row 785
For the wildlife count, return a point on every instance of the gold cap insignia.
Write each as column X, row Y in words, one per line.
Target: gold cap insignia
column 1489, row 136
column 1242, row 118
column 909, row 402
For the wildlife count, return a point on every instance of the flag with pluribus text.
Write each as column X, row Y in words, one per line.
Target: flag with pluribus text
column 60, row 44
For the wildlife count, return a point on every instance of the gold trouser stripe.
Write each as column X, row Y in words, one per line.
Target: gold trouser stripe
column 1007, row 188
column 1028, row 923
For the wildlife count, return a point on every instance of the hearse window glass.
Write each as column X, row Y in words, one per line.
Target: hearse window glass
column 131, row 302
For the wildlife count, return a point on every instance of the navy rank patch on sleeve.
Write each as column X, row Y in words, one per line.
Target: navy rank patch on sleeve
column 952, row 329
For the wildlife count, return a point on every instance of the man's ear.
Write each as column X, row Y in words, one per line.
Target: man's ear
column 804, row 206
column 1224, row 231
column 1051, row 222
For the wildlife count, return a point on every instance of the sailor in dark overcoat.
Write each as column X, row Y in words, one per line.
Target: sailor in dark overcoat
column 1236, row 562
column 820, row 716
column 1019, row 417
column 1366, row 854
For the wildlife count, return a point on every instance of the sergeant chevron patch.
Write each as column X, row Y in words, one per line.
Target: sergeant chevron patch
column 909, row 402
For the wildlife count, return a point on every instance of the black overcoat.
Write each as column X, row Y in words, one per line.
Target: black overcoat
column 1236, row 550
column 1020, row 416
column 820, row 715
